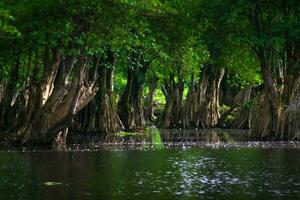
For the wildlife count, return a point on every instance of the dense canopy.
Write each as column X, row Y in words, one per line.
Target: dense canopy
column 102, row 66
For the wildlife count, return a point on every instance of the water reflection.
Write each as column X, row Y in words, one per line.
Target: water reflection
column 209, row 164
column 161, row 174
column 170, row 138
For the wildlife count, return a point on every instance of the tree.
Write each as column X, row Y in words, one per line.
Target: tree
column 270, row 30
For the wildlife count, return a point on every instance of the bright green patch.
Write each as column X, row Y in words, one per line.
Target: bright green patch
column 144, row 133
column 156, row 140
column 50, row 183
column 124, row 134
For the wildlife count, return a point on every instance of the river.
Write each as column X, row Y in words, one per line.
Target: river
column 169, row 164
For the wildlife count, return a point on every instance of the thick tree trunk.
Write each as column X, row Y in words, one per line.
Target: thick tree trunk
column 268, row 108
column 173, row 92
column 290, row 127
column 104, row 119
column 166, row 117
column 149, row 102
column 50, row 72
column 242, row 114
column 109, row 121
column 266, row 115
column 189, row 106
column 86, row 119
column 261, row 117
column 45, row 120
column 8, row 104
column 202, row 104
column 130, row 108
column 243, row 119
column 208, row 114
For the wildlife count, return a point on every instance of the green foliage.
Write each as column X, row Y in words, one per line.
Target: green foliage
column 7, row 30
column 176, row 37
column 243, row 69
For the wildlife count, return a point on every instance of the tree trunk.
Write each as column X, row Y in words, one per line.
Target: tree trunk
column 149, row 103
column 86, row 119
column 109, row 121
column 48, row 117
column 104, row 119
column 270, row 112
column 173, row 92
column 290, row 127
column 242, row 114
column 202, row 104
column 130, row 108
column 189, row 106
column 8, row 104
column 208, row 114
column 269, row 106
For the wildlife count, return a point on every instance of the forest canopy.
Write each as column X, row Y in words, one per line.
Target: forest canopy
column 103, row 66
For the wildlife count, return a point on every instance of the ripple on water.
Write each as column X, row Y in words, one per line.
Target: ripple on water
column 184, row 170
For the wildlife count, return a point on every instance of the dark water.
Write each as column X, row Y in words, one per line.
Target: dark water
column 156, row 170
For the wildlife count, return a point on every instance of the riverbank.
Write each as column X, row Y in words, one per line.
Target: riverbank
column 156, row 138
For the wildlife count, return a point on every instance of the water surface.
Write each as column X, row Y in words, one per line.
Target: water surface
column 164, row 166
